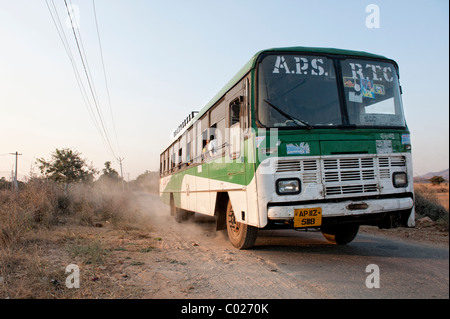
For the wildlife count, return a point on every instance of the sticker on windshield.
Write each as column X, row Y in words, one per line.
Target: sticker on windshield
column 349, row 82
column 367, row 88
column 379, row 89
column 353, row 97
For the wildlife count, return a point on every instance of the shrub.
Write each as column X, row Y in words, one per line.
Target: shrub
column 43, row 203
column 28, row 227
column 427, row 205
column 437, row 180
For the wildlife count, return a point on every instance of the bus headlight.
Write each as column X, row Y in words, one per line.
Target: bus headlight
column 399, row 179
column 288, row 186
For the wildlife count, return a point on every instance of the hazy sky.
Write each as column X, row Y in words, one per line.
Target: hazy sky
column 164, row 59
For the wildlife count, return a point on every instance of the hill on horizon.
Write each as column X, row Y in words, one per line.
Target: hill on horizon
column 444, row 173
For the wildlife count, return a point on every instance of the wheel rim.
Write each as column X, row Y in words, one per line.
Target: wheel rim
column 233, row 225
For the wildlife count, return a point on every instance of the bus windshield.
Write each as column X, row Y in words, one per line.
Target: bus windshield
column 302, row 90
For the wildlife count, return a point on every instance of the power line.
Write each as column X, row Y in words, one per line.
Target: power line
column 62, row 36
column 69, row 52
column 96, row 115
column 104, row 73
column 87, row 73
column 77, row 30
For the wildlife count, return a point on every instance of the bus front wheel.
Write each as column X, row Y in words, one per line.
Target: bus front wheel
column 241, row 235
column 340, row 234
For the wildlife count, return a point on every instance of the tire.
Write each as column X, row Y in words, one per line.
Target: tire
column 180, row 215
column 241, row 235
column 172, row 206
column 340, row 234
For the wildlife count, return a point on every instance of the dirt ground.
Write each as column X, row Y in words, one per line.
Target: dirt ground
column 160, row 259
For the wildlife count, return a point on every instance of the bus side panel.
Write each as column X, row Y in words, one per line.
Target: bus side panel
column 254, row 217
column 176, row 188
column 203, row 190
column 191, row 190
column 163, row 183
column 188, row 194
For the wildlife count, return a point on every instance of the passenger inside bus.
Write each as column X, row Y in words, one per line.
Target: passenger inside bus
column 212, row 146
column 205, row 151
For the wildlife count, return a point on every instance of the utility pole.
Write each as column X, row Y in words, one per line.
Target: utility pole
column 16, row 185
column 121, row 172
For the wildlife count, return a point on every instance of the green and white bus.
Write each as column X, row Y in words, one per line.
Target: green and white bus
column 299, row 138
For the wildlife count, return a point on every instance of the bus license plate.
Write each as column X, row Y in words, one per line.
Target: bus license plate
column 308, row 217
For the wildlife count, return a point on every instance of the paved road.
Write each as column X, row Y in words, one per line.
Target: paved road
column 296, row 264
column 405, row 270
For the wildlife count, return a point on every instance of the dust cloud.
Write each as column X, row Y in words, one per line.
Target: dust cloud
column 158, row 215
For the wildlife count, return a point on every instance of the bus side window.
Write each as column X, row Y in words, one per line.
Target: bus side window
column 234, row 140
column 235, row 110
column 188, row 153
column 246, row 109
column 166, row 161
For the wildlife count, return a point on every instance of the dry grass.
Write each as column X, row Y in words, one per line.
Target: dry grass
column 45, row 227
column 436, row 193
column 432, row 201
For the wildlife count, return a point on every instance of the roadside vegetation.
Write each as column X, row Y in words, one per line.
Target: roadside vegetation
column 432, row 201
column 64, row 207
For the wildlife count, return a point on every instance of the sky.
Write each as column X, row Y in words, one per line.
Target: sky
column 164, row 59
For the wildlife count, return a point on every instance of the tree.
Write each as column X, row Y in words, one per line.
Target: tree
column 66, row 166
column 4, row 184
column 436, row 180
column 148, row 181
column 109, row 174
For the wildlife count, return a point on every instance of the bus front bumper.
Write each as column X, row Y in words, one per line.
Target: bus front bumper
column 350, row 208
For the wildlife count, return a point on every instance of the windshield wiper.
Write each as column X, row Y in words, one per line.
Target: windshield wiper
column 290, row 117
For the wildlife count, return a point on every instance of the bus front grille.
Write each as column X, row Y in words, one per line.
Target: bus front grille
column 308, row 169
column 344, row 175
column 351, row 189
column 349, row 169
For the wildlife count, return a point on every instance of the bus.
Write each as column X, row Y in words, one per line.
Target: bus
column 300, row 138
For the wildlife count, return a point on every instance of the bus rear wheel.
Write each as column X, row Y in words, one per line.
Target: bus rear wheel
column 181, row 215
column 340, row 234
column 241, row 235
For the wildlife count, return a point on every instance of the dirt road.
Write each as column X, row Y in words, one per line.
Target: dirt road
column 192, row 260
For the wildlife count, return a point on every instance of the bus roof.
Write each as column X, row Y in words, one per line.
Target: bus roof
column 252, row 63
